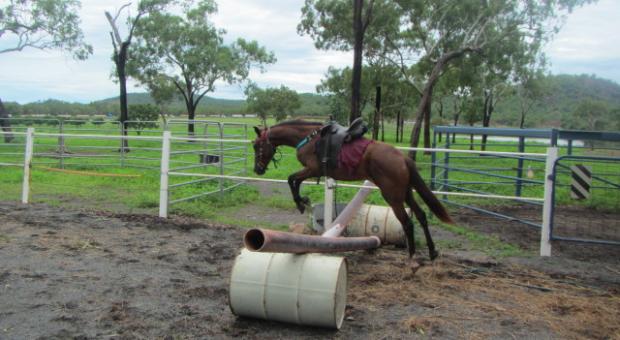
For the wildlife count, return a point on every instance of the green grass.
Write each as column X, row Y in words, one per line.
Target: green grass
column 142, row 193
column 488, row 244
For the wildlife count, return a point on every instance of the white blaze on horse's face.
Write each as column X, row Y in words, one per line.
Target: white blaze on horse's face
column 263, row 151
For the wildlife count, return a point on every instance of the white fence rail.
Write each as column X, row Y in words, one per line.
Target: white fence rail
column 165, row 173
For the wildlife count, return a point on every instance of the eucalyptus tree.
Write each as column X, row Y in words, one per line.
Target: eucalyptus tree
column 336, row 84
column 423, row 37
column 181, row 48
column 275, row 101
column 43, row 25
column 439, row 32
column 121, row 46
column 344, row 25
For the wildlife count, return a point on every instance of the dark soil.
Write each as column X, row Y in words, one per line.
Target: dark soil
column 88, row 274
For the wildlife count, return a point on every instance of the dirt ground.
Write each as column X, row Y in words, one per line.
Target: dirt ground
column 88, row 274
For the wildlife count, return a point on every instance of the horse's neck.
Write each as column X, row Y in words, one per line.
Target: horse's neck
column 290, row 135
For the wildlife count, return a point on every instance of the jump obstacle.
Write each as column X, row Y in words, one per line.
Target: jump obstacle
column 278, row 277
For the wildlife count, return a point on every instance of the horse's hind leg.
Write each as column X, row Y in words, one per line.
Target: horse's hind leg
column 405, row 222
column 401, row 214
column 421, row 217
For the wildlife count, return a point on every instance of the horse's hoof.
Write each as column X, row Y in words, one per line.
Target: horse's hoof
column 305, row 201
column 434, row 254
column 414, row 265
column 301, row 208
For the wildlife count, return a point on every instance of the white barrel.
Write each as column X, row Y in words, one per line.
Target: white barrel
column 307, row 289
column 379, row 221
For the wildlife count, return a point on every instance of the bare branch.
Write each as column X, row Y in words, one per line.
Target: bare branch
column 112, row 21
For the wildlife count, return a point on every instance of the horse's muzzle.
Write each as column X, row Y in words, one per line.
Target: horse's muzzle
column 259, row 170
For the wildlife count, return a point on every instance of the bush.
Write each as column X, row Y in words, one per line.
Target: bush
column 142, row 116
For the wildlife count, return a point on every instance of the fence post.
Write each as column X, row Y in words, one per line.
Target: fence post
column 328, row 204
column 519, row 183
column 545, row 232
column 163, row 182
column 61, row 143
column 27, row 164
column 221, row 126
column 434, row 159
column 446, row 166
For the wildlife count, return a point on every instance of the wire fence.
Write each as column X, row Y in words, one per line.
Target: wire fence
column 215, row 160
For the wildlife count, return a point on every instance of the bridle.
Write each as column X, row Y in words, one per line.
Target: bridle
column 259, row 158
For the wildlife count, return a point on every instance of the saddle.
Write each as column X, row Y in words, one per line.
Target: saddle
column 332, row 137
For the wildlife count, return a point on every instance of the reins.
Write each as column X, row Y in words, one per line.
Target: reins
column 276, row 151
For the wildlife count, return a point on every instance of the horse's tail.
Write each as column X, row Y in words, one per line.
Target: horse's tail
column 416, row 181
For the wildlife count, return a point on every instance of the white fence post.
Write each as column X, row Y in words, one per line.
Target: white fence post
column 163, row 182
column 27, row 164
column 328, row 204
column 545, row 244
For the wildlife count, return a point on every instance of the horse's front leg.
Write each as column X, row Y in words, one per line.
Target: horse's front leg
column 294, row 182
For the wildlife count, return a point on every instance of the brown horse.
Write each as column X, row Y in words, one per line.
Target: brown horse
column 393, row 173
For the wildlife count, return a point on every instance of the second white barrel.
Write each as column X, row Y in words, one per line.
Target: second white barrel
column 379, row 221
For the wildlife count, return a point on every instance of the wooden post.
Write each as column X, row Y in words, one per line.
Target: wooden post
column 27, row 165
column 545, row 232
column 163, row 181
column 328, row 205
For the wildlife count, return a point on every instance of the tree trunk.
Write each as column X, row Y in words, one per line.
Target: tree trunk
column 427, row 129
column 486, row 116
column 357, row 60
column 382, row 126
column 375, row 123
column 456, row 121
column 522, row 122
column 191, row 115
column 424, row 108
column 397, row 126
column 5, row 123
column 121, row 61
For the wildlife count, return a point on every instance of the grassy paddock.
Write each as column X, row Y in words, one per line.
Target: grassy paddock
column 113, row 190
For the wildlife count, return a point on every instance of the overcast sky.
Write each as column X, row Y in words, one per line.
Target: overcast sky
column 588, row 43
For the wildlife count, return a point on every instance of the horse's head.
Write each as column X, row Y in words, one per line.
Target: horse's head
column 263, row 150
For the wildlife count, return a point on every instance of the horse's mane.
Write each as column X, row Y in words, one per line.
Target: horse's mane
column 297, row 122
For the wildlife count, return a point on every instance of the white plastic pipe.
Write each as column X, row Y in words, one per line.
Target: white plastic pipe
column 27, row 165
column 545, row 244
column 163, row 180
column 328, row 205
column 341, row 222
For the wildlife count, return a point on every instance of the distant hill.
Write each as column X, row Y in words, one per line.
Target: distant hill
column 207, row 104
column 565, row 94
column 311, row 104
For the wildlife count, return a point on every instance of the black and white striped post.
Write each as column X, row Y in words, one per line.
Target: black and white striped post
column 581, row 181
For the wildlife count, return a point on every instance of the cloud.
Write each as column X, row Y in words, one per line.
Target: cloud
column 588, row 43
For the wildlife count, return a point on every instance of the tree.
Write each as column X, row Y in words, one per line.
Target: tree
column 337, row 86
column 142, row 116
column 472, row 115
column 531, row 89
column 40, row 24
column 121, row 48
column 590, row 114
column 340, row 26
column 440, row 32
column 186, row 51
column 272, row 101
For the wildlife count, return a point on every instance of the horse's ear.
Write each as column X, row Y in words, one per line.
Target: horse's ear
column 257, row 130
